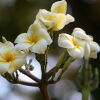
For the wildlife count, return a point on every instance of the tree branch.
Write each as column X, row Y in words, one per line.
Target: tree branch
column 26, row 83
column 44, row 92
column 29, row 75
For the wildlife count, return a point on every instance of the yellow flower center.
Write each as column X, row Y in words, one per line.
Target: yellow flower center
column 32, row 39
column 8, row 56
column 75, row 43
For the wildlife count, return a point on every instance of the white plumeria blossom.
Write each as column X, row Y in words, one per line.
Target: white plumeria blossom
column 10, row 58
column 36, row 39
column 83, row 38
column 57, row 18
column 74, row 49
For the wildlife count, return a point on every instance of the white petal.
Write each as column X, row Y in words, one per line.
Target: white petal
column 33, row 29
column 7, row 46
column 4, row 66
column 61, row 20
column 94, row 46
column 69, row 19
column 23, row 46
column 59, row 7
column 47, row 18
column 39, row 47
column 81, row 42
column 64, row 41
column 21, row 38
column 45, row 35
column 76, row 52
column 49, row 24
column 81, row 34
column 40, row 23
column 16, row 64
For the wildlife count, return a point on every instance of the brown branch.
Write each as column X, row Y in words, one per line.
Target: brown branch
column 24, row 83
column 29, row 75
column 44, row 93
column 13, row 80
column 27, row 83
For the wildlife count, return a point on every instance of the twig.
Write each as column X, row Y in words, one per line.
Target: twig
column 27, row 83
column 29, row 75
column 13, row 80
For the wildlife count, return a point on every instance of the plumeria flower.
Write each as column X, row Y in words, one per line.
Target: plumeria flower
column 55, row 19
column 73, row 47
column 36, row 39
column 83, row 38
column 10, row 58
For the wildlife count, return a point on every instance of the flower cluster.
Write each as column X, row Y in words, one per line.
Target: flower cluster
column 37, row 38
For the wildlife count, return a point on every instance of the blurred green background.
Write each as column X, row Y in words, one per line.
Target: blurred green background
column 17, row 15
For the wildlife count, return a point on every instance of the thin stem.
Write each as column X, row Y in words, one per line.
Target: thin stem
column 29, row 75
column 67, row 63
column 26, row 83
column 85, row 74
column 17, row 81
column 41, row 58
column 86, row 87
column 46, row 58
column 51, row 72
column 62, row 58
column 44, row 92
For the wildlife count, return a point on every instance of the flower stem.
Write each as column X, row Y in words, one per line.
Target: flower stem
column 85, row 94
column 44, row 92
column 86, row 85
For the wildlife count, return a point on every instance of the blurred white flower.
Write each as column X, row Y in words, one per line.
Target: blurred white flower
column 36, row 39
column 73, row 47
column 4, row 87
column 64, row 88
column 10, row 58
column 76, row 96
column 83, row 38
column 57, row 18
column 16, row 96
